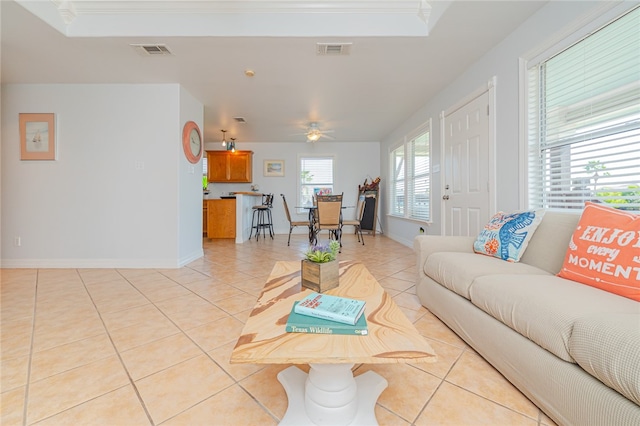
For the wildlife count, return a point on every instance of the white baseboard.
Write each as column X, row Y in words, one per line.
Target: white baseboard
column 403, row 241
column 90, row 263
column 197, row 254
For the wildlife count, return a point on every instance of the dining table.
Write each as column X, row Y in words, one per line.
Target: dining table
column 312, row 218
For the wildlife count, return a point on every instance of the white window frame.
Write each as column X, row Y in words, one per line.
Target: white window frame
column 204, row 171
column 410, row 179
column 303, row 200
column 597, row 18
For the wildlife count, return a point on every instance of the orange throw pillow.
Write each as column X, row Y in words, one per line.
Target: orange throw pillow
column 604, row 251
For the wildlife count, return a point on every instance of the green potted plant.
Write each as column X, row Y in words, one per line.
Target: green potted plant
column 319, row 269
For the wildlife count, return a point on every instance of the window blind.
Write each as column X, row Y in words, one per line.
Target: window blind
column 410, row 178
column 584, row 121
column 397, row 181
column 418, row 190
column 316, row 175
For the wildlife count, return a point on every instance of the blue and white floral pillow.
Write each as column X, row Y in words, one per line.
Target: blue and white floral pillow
column 506, row 236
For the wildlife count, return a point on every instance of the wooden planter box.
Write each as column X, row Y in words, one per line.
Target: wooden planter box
column 319, row 277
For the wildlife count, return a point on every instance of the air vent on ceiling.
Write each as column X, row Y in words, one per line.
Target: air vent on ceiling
column 333, row 48
column 240, row 119
column 152, row 49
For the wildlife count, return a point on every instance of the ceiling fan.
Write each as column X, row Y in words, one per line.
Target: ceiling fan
column 314, row 133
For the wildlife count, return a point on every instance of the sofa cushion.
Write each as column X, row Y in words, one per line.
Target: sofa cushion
column 506, row 236
column 456, row 271
column 607, row 346
column 557, row 227
column 604, row 251
column 544, row 308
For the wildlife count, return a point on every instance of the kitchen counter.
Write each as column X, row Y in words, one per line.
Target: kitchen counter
column 244, row 213
column 251, row 193
column 224, row 221
column 221, row 218
column 231, row 194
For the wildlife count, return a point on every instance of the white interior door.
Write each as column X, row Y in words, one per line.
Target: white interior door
column 468, row 167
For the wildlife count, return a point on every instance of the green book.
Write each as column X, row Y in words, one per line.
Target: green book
column 305, row 324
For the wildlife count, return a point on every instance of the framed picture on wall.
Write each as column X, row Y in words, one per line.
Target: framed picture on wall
column 274, row 167
column 37, row 136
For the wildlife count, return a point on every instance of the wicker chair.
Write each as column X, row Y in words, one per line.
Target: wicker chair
column 292, row 223
column 356, row 222
column 329, row 216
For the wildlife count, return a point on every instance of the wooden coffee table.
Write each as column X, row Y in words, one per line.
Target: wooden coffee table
column 329, row 394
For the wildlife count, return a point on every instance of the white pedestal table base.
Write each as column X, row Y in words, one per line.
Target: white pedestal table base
column 330, row 395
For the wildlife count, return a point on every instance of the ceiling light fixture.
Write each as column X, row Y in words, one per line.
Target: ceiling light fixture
column 313, row 135
column 229, row 146
column 224, row 141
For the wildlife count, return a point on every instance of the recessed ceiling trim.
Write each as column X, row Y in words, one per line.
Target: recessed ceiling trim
column 234, row 18
column 252, row 6
column 66, row 10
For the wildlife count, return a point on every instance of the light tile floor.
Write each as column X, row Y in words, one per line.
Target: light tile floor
column 144, row 346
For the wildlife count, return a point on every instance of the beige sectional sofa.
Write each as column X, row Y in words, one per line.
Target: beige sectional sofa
column 572, row 349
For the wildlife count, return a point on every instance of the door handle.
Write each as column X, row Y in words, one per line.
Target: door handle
column 445, row 197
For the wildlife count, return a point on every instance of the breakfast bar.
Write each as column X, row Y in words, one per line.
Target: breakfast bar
column 230, row 218
column 244, row 204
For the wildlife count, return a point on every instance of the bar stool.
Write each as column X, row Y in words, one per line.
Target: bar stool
column 262, row 218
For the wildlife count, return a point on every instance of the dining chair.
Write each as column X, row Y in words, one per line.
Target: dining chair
column 329, row 216
column 357, row 221
column 292, row 223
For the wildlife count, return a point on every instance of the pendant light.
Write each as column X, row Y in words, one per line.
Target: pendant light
column 229, row 146
column 224, row 141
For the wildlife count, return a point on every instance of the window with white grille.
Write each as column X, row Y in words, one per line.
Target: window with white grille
column 410, row 184
column 316, row 176
column 584, row 121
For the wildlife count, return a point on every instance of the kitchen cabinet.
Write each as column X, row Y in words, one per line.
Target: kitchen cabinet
column 227, row 166
column 204, row 218
column 221, row 218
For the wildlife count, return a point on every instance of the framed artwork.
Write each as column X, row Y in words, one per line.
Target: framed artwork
column 274, row 167
column 37, row 137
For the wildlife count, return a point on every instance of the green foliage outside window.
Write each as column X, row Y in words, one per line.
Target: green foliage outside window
column 620, row 197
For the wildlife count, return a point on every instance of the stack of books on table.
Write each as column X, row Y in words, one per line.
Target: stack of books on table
column 326, row 314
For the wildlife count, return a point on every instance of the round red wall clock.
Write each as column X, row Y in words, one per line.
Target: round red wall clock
column 192, row 142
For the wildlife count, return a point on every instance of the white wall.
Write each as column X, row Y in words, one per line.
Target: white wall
column 93, row 207
column 502, row 62
column 111, row 199
column 190, row 185
column 354, row 162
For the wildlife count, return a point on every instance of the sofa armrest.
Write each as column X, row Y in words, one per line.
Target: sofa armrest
column 425, row 245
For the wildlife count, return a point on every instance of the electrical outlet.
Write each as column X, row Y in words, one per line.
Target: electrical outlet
column 17, row 241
